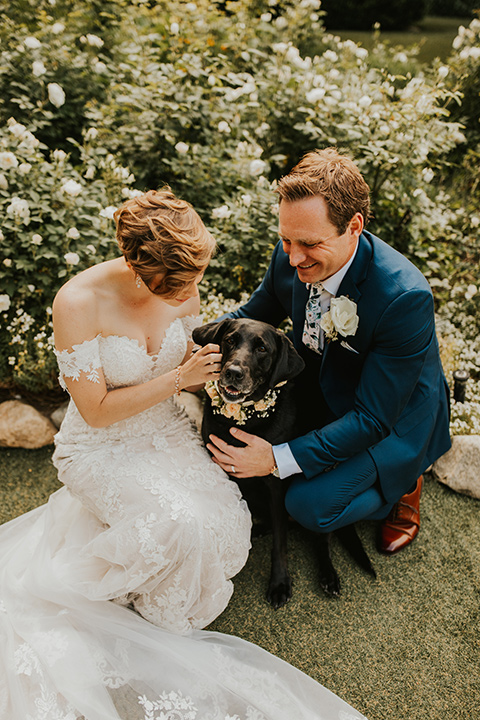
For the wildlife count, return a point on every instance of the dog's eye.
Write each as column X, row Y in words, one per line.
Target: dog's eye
column 230, row 341
column 262, row 349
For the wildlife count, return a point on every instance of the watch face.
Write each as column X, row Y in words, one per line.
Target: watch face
column 275, row 472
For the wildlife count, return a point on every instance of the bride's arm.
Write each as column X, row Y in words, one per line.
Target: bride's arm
column 75, row 321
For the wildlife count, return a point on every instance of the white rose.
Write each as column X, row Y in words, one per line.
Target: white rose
column 94, row 40
column 100, row 67
column 471, row 291
column 56, row 94
column 442, row 72
column 38, row 68
column 71, row 187
column 257, row 167
column 221, row 212
column 31, row 288
column 7, row 262
column 59, row 155
column 73, row 233
column 344, row 316
column 182, row 148
column 365, row 101
column 24, row 168
column 57, row 28
column 281, row 23
column 36, row 239
column 174, row 28
column 326, row 323
column 4, row 303
column 315, row 94
column 428, row 174
column 19, row 208
column 8, row 160
column 32, row 43
column 223, row 127
column 71, row 258
column 108, row 212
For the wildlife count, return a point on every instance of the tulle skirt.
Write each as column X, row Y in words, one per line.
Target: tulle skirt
column 67, row 656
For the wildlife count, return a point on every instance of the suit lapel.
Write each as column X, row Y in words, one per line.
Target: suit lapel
column 348, row 287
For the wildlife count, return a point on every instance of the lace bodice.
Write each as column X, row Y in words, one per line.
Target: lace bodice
column 123, row 362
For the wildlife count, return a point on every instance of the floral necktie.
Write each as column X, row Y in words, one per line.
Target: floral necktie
column 312, row 332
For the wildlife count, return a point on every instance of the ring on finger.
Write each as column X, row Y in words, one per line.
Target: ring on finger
column 233, row 469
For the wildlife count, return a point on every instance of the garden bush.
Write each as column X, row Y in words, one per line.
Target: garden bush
column 56, row 221
column 219, row 104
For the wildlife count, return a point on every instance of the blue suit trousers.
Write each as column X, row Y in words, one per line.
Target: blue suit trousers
column 346, row 494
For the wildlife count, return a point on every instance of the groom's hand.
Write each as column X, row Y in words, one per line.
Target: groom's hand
column 256, row 459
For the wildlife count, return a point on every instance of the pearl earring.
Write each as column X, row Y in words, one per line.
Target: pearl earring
column 138, row 281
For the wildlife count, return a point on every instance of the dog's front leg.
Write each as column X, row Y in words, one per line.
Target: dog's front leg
column 328, row 576
column 280, row 586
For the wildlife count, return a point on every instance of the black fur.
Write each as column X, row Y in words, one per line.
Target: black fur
column 255, row 358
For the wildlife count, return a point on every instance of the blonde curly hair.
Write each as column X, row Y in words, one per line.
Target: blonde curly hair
column 160, row 234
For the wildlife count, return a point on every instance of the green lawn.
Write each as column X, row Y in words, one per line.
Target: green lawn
column 434, row 35
column 405, row 646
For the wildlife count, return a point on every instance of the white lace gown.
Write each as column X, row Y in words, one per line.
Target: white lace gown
column 145, row 520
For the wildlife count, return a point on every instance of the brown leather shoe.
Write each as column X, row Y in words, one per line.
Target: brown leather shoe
column 403, row 522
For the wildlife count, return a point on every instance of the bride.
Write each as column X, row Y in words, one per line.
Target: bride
column 106, row 588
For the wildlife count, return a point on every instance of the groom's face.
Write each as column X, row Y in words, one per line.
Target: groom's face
column 310, row 240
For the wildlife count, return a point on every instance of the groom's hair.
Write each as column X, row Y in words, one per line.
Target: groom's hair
column 159, row 233
column 333, row 177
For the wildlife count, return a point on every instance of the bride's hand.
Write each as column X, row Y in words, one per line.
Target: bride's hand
column 202, row 366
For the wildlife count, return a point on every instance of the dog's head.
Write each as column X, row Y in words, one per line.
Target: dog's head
column 255, row 357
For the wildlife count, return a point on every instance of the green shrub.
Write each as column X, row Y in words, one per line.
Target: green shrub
column 56, row 221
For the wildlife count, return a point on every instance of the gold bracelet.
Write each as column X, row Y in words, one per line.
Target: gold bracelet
column 177, row 380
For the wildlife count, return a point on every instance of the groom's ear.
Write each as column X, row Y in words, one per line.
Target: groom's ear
column 212, row 332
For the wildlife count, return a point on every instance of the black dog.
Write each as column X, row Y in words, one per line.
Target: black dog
column 253, row 391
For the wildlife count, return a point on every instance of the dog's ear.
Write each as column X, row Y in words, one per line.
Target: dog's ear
column 212, row 332
column 288, row 364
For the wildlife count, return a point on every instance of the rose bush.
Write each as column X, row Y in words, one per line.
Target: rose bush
column 56, row 221
column 115, row 97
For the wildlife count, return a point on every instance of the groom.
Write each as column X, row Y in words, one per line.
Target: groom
column 375, row 399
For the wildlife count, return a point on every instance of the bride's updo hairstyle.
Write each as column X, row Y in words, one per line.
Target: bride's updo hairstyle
column 159, row 234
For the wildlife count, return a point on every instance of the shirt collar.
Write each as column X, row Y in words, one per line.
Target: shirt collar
column 332, row 283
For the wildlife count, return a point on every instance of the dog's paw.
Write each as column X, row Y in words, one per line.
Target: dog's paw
column 279, row 593
column 330, row 582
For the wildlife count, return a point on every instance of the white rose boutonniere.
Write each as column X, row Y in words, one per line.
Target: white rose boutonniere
column 341, row 319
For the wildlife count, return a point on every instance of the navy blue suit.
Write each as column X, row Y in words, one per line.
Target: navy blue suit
column 387, row 403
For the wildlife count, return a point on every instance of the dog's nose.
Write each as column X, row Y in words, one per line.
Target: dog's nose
column 234, row 373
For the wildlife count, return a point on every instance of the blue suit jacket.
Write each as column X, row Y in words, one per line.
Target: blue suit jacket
column 390, row 397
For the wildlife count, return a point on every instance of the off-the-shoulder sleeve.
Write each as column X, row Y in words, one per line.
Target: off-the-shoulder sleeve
column 190, row 322
column 83, row 358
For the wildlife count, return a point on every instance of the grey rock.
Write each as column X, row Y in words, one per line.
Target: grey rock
column 23, row 426
column 459, row 468
column 58, row 415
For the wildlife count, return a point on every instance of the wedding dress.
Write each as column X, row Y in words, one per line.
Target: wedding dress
column 105, row 589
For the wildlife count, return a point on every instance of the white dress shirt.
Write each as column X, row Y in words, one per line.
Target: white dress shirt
column 284, row 459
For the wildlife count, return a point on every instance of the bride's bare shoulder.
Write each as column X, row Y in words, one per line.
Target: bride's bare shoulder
column 76, row 306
